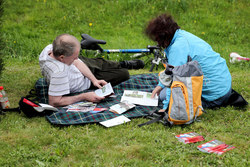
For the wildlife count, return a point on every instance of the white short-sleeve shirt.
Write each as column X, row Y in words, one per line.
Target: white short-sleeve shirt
column 62, row 78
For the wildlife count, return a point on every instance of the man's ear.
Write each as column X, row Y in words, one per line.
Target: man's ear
column 61, row 57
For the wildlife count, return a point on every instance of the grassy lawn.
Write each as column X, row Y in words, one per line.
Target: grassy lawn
column 28, row 26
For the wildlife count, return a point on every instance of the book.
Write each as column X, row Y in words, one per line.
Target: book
column 215, row 146
column 121, row 107
column 105, row 91
column 139, row 97
column 190, row 137
column 115, row 121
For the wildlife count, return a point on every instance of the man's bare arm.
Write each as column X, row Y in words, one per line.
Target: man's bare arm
column 58, row 101
column 83, row 68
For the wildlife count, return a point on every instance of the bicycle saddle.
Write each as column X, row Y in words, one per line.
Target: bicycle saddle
column 87, row 42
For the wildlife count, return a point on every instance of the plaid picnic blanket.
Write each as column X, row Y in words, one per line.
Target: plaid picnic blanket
column 142, row 82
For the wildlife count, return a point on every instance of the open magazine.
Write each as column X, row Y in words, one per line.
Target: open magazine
column 139, row 97
column 121, row 107
column 81, row 107
column 84, row 107
column 215, row 146
column 190, row 137
column 105, row 91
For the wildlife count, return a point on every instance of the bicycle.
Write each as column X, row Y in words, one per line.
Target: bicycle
column 89, row 43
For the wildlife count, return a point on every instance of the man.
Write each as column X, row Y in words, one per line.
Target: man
column 66, row 73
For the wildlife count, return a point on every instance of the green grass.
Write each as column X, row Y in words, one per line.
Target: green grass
column 28, row 26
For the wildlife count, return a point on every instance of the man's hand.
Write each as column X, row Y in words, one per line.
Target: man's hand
column 99, row 83
column 157, row 91
column 91, row 96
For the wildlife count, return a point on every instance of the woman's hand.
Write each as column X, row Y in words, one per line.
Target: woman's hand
column 162, row 110
column 157, row 91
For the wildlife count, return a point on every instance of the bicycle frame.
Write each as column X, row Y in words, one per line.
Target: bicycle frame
column 126, row 50
column 90, row 43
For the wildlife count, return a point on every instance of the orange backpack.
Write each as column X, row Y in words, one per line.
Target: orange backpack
column 186, row 89
column 185, row 99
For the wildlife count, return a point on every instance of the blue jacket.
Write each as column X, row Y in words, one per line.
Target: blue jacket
column 217, row 78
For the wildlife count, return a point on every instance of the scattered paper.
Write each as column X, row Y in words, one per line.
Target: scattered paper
column 48, row 107
column 139, row 97
column 115, row 121
column 97, row 110
column 106, row 90
column 81, row 107
column 121, row 107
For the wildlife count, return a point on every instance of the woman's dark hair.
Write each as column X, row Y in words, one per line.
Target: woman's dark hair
column 161, row 29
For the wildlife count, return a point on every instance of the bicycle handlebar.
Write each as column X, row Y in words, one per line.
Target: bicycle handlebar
column 87, row 42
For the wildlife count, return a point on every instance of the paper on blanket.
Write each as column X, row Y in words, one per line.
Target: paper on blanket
column 140, row 98
column 121, row 107
column 81, row 107
column 48, row 107
column 97, row 110
column 115, row 121
column 106, row 90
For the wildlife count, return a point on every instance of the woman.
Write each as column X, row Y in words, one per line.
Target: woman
column 178, row 45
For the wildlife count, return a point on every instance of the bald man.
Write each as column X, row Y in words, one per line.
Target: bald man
column 66, row 73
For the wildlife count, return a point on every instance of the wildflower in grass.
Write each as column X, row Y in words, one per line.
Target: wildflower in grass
column 90, row 24
column 64, row 17
column 44, row 1
column 102, row 56
column 203, row 33
column 194, row 21
column 14, row 41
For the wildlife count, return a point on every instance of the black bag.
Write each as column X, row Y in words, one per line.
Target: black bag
column 31, row 108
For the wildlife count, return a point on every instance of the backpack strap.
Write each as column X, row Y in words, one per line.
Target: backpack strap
column 196, row 115
column 32, row 95
column 151, row 121
column 3, row 110
column 189, row 58
column 197, row 112
column 156, row 116
column 165, row 121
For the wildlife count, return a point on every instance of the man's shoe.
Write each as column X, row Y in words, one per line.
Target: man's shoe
column 133, row 64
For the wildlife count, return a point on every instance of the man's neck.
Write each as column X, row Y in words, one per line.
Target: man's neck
column 52, row 56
